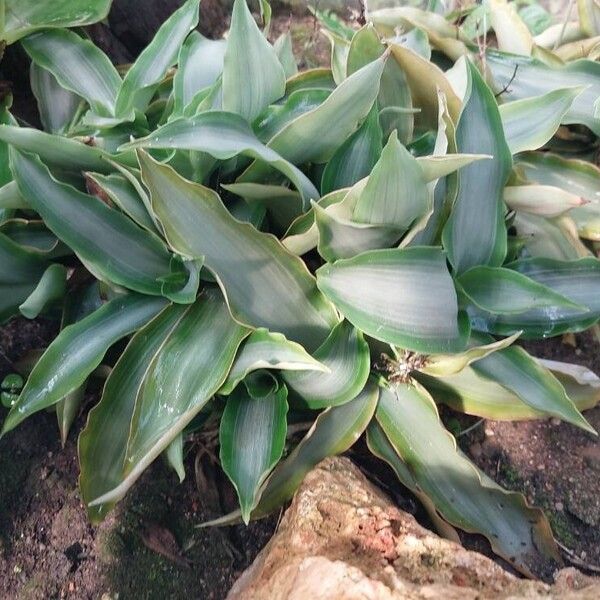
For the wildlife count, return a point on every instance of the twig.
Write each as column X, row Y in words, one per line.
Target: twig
column 574, row 559
column 470, row 428
column 507, row 86
column 564, row 26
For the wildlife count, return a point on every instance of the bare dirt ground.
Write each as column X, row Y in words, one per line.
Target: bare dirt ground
column 148, row 548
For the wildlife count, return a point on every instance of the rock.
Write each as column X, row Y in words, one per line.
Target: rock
column 343, row 539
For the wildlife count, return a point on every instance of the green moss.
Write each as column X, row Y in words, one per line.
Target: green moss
column 561, row 527
column 511, row 477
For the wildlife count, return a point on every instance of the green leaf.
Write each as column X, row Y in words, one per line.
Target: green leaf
column 32, row 235
column 174, row 456
column 109, row 243
column 22, row 17
column 552, row 238
column 253, row 77
column 199, row 66
column 317, row 134
column 252, row 437
column 50, row 288
column 333, row 432
column 527, row 77
column 103, row 443
column 440, row 365
column 577, row 280
column 460, row 492
column 424, row 80
column 78, row 350
column 475, row 233
column 78, row 65
column 20, row 271
column 339, row 55
column 223, row 136
column 184, row 372
column 340, row 237
column 56, row 150
column 320, row 78
column 504, row 291
column 283, row 204
column 544, row 200
column 346, row 356
column 531, row 122
column 264, row 284
column 536, row 17
column 394, row 93
column 380, row 446
column 581, row 384
column 285, row 54
column 152, row 64
column 67, row 410
column 123, row 194
column 266, row 350
column 355, row 158
column 57, row 106
column 573, row 176
column 402, row 297
column 276, row 117
column 396, row 193
column 520, row 373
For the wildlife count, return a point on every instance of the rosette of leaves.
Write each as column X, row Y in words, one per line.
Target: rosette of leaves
column 348, row 246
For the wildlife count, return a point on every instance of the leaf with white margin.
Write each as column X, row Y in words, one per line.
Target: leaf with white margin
column 333, row 432
column 222, row 135
column 505, row 291
column 267, row 350
column 253, row 77
column 265, row 285
column 167, row 374
column 475, row 232
column 347, row 358
column 22, row 17
column 531, row 122
column 460, row 492
column 199, row 65
column 78, row 350
column 252, row 436
column 441, row 365
column 526, row 77
column 404, row 297
column 523, row 375
column 316, row 135
column 152, row 64
column 470, row 393
column 78, row 65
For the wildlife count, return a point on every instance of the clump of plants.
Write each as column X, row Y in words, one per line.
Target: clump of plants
column 230, row 241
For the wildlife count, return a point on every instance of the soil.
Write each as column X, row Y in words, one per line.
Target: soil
column 148, row 548
column 556, row 465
